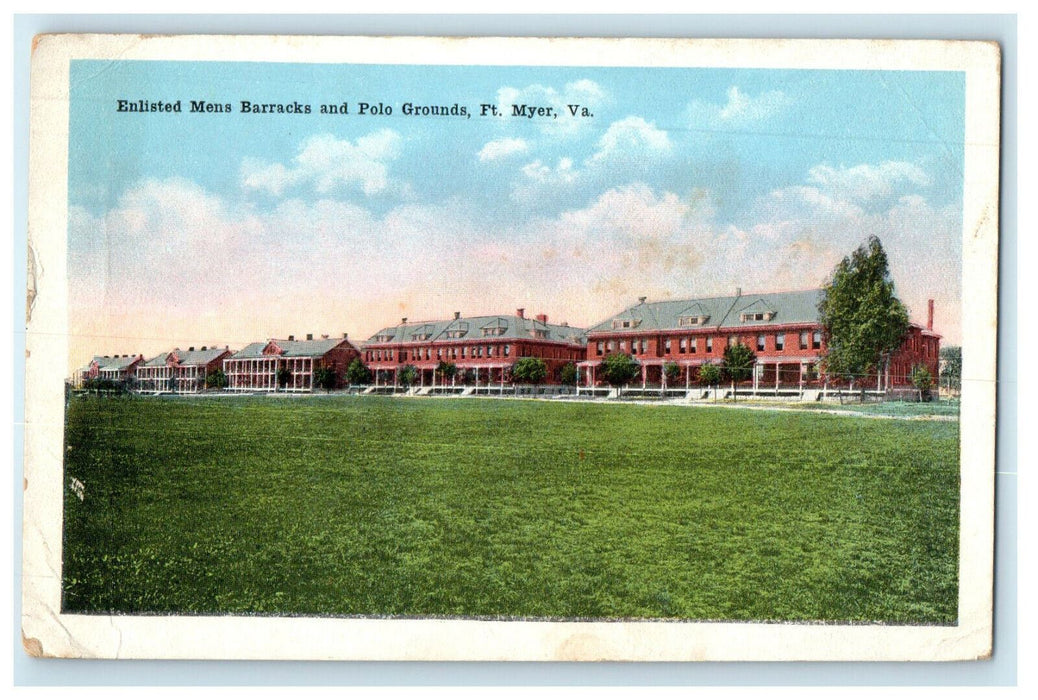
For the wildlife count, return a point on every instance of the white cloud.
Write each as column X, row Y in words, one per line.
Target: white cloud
column 329, row 164
column 740, row 109
column 628, row 148
column 632, row 137
column 502, row 148
column 866, row 183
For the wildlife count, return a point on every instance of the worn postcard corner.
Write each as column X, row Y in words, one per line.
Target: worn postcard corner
column 510, row 349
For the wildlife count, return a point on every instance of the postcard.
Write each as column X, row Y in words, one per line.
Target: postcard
column 510, row 349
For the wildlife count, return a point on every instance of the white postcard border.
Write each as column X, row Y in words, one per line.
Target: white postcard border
column 48, row 632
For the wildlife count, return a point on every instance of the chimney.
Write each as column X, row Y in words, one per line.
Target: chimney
column 738, row 291
column 641, row 300
column 291, row 337
column 403, row 321
column 309, row 336
column 521, row 313
column 204, row 348
column 929, row 315
column 543, row 318
column 324, row 336
column 457, row 315
column 226, row 347
column 345, row 336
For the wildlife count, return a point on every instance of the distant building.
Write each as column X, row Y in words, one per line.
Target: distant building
column 180, row 371
column 256, row 366
column 781, row 328
column 116, row 368
column 485, row 346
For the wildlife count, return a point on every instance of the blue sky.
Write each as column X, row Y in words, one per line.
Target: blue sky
column 188, row 229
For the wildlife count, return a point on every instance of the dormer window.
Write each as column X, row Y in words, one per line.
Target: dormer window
column 756, row 316
column 620, row 323
column 493, row 330
column 693, row 320
column 384, row 337
column 539, row 333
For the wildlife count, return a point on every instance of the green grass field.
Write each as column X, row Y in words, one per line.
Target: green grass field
column 504, row 508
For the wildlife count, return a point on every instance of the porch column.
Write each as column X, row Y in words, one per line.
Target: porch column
column 756, row 375
column 801, row 377
column 643, row 377
column 778, row 372
column 688, row 375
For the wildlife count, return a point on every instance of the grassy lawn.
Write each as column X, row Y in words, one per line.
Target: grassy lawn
column 482, row 507
column 899, row 409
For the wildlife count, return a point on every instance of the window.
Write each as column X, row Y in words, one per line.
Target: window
column 756, row 316
column 760, row 343
column 683, row 345
column 439, row 353
column 710, row 344
column 600, row 347
column 626, row 322
column 623, row 346
column 666, row 346
column 803, row 340
column 609, row 346
column 634, row 347
column 692, row 346
column 780, row 341
column 816, row 340
column 645, row 346
column 463, row 352
column 692, row 320
column 733, row 340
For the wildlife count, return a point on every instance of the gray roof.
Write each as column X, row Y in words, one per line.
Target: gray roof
column 731, row 312
column 291, row 348
column 478, row 328
column 115, row 362
column 188, row 358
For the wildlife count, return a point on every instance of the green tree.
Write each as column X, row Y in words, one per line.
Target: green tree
column 671, row 370
column 568, row 374
column 326, row 378
column 407, row 375
column 951, row 367
column 738, row 364
column 861, row 316
column 710, row 375
column 357, row 372
column 619, row 369
column 216, row 380
column 284, row 376
column 922, row 380
column 446, row 370
column 529, row 370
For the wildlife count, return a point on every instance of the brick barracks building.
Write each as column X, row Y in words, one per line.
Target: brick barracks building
column 255, row 367
column 180, row 371
column 116, row 368
column 487, row 346
column 781, row 328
